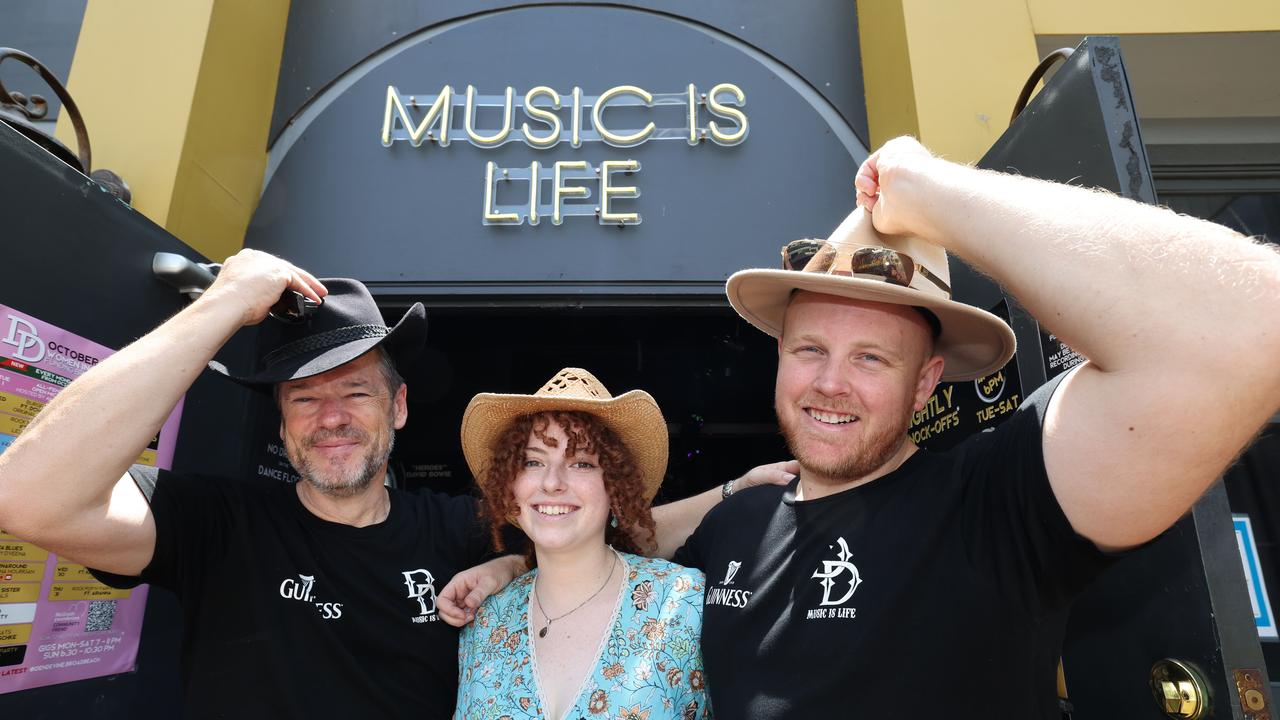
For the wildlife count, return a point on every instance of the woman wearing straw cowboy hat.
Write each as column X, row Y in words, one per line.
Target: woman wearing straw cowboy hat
column 595, row 628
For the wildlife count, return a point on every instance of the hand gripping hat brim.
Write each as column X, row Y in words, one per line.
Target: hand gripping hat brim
column 345, row 327
column 973, row 342
column 633, row 416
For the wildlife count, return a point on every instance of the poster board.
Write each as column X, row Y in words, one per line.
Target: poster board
column 57, row 623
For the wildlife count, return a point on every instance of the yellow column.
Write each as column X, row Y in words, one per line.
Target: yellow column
column 177, row 97
column 947, row 72
column 886, row 71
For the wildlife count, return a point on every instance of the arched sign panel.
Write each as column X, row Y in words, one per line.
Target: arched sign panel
column 555, row 150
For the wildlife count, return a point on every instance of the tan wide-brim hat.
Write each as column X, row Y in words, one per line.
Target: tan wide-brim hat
column 633, row 416
column 973, row 342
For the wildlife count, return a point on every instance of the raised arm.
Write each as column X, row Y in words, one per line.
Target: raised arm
column 1179, row 319
column 62, row 482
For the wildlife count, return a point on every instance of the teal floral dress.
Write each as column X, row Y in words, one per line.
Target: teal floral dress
column 649, row 666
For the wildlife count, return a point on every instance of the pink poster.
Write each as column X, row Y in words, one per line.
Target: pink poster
column 57, row 623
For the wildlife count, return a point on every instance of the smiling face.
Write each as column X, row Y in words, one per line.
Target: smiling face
column 521, row 455
column 338, row 427
column 850, row 374
column 559, row 492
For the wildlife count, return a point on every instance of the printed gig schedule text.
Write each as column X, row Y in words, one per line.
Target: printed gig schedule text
column 57, row 623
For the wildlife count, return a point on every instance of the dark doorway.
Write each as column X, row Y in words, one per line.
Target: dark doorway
column 711, row 373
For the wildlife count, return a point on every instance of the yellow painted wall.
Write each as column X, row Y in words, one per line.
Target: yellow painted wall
column 134, row 86
column 965, row 91
column 944, row 71
column 221, row 173
column 949, row 72
column 886, row 71
column 1109, row 17
column 177, row 97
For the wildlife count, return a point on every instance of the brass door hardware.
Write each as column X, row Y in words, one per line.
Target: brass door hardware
column 1179, row 689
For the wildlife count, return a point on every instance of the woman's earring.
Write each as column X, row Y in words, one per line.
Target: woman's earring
column 613, row 520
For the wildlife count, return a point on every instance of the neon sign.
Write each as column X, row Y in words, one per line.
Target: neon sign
column 712, row 118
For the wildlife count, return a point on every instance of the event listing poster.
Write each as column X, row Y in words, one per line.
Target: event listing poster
column 57, row 623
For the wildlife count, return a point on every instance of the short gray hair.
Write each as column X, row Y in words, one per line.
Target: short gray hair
column 387, row 369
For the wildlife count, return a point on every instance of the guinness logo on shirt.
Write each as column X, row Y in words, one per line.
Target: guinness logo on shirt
column 728, row 597
column 303, row 589
column 733, row 570
column 299, row 589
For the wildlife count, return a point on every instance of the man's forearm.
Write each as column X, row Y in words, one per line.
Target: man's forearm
column 676, row 521
column 72, row 454
column 1115, row 279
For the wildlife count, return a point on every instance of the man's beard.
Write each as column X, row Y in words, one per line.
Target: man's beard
column 344, row 481
column 865, row 456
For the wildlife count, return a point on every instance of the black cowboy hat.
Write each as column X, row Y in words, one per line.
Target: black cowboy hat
column 342, row 329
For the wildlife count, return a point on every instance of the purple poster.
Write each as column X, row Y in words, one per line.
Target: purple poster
column 57, row 623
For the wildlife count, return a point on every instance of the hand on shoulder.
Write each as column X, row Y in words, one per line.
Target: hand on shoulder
column 778, row 473
column 461, row 598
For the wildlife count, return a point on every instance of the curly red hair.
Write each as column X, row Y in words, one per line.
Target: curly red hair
column 586, row 434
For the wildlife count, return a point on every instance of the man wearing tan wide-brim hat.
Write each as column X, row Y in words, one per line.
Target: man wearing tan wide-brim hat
column 888, row 581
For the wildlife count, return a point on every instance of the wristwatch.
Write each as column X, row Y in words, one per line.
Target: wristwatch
column 727, row 489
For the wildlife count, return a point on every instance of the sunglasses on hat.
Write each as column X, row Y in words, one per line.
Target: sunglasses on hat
column 821, row 256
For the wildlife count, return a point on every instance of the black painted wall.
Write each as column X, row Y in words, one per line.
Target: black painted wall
column 408, row 220
column 818, row 39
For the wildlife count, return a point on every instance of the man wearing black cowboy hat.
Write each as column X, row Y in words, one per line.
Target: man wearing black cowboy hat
column 310, row 600
column 887, row 581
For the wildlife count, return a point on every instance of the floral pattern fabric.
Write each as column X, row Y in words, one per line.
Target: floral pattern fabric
column 649, row 667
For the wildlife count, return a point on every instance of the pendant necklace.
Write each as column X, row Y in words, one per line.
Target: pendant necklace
column 543, row 632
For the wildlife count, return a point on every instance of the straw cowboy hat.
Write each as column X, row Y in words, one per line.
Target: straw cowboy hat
column 347, row 325
column 858, row 262
column 633, row 416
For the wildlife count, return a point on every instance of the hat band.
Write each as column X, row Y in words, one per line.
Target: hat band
column 324, row 340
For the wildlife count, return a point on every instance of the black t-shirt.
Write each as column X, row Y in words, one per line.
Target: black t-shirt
column 938, row 590
column 290, row 616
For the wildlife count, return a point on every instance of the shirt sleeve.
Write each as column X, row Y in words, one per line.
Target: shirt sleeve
column 1014, row 530
column 479, row 547
column 192, row 515
column 462, row 528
